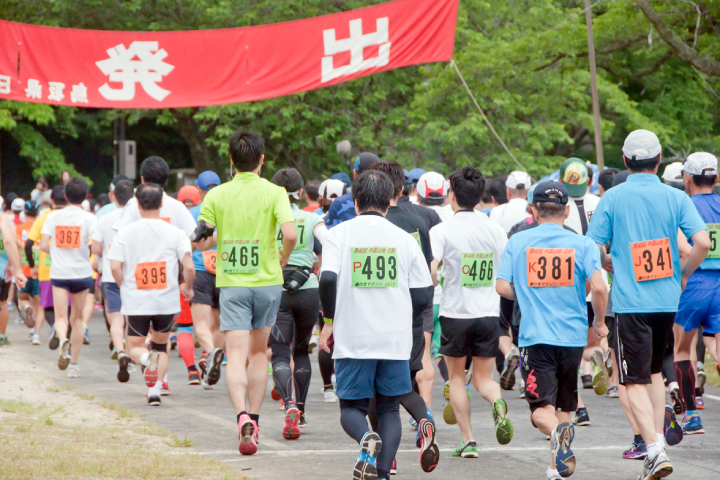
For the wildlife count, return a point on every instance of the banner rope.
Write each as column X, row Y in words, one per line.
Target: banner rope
column 492, row 129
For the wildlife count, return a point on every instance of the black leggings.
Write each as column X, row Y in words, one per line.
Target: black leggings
column 294, row 326
column 327, row 366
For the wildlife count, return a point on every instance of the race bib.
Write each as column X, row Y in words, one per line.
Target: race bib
column 209, row 258
column 240, row 255
column 35, row 255
column 151, row 276
column 2, row 246
column 374, row 267
column 550, row 267
column 67, row 236
column 651, row 259
column 166, row 219
column 416, row 236
column 48, row 261
column 477, row 269
column 301, row 236
column 714, row 234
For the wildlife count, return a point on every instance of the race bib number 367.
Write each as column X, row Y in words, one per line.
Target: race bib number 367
column 714, row 233
column 550, row 267
column 477, row 269
column 374, row 267
column 240, row 255
column 67, row 236
column 651, row 259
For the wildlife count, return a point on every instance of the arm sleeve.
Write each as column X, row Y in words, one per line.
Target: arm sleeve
column 207, row 212
column 505, row 270
column 690, row 220
column 420, row 299
column 97, row 234
column 29, row 252
column 600, row 228
column 328, row 293
column 591, row 259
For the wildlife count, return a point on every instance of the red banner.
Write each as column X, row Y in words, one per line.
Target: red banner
column 111, row 69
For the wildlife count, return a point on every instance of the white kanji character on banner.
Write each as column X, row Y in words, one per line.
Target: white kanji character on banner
column 4, row 84
column 34, row 89
column 56, row 91
column 79, row 93
column 355, row 44
column 148, row 70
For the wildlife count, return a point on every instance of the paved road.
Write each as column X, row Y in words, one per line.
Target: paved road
column 325, row 451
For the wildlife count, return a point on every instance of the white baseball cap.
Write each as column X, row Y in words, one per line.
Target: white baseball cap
column 17, row 205
column 331, row 189
column 673, row 172
column 86, row 205
column 641, row 145
column 432, row 185
column 518, row 181
column 699, row 163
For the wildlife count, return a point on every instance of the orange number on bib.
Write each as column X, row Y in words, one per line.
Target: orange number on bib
column 151, row 276
column 209, row 258
column 651, row 259
column 67, row 236
column 166, row 219
column 550, row 267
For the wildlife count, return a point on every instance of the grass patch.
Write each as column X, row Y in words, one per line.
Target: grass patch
column 48, row 420
column 85, row 396
column 109, row 406
column 16, row 406
column 61, row 388
column 24, row 428
column 711, row 371
column 175, row 441
column 127, row 413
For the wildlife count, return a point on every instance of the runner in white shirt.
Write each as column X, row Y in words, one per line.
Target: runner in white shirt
column 65, row 236
column 469, row 246
column 508, row 214
column 144, row 260
column 102, row 239
column 374, row 282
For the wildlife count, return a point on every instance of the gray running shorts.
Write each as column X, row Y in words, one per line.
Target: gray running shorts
column 243, row 308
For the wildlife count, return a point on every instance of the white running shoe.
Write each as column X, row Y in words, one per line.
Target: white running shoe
column 73, row 371
column 35, row 338
column 329, row 396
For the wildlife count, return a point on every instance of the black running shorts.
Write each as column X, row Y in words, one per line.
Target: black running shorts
column 642, row 339
column 139, row 325
column 469, row 336
column 206, row 293
column 550, row 374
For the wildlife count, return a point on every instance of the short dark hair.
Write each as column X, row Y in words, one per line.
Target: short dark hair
column 373, row 190
column 290, row 179
column 119, row 177
column 605, row 178
column 640, row 165
column 149, row 196
column 76, row 190
column 550, row 210
column 703, row 180
column 246, row 149
column 312, row 190
column 155, row 170
column 497, row 189
column 58, row 195
column 123, row 192
column 467, row 185
column 395, row 173
column 103, row 199
column 431, row 201
column 43, row 181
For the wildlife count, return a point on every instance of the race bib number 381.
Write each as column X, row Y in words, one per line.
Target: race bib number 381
column 374, row 267
column 240, row 255
column 651, row 259
column 477, row 269
column 550, row 267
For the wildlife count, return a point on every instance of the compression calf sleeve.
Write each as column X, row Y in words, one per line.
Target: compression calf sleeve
column 186, row 347
column 668, row 367
column 302, row 374
column 442, row 366
column 327, row 366
column 686, row 380
column 352, row 418
column 282, row 375
column 415, row 406
column 390, row 431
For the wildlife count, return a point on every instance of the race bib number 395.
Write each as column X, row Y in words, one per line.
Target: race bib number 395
column 241, row 255
column 477, row 269
column 151, row 276
column 651, row 259
column 550, row 267
column 374, row 267
column 714, row 234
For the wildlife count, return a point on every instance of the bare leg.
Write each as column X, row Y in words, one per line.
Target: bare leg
column 237, row 345
column 641, row 405
column 458, row 395
column 257, row 369
column 61, row 298
column 202, row 319
column 488, row 388
column 39, row 313
column 426, row 377
column 78, row 327
column 4, row 316
column 117, row 329
column 547, row 421
column 506, row 344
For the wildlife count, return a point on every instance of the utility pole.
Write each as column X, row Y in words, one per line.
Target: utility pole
column 593, row 77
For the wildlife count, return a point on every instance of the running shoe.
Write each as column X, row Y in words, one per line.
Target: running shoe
column 672, row 428
column 29, row 316
column 600, row 377
column 366, row 464
column 586, row 381
column 35, row 339
column 213, row 367
column 197, row 343
column 193, row 377
column 393, row 467
column 291, row 431
column 329, row 396
column 113, row 354
column 73, row 371
column 692, row 424
column 274, row 394
column 123, row 361
column 522, row 392
column 448, row 413
column 507, row 377
column 413, row 424
column 247, row 440
column 636, row 452
column 553, row 474
column 677, row 401
column 701, row 378
column 503, row 425
column 86, row 337
column 429, row 451
column 607, row 359
column 202, row 364
column 151, row 374
column 173, row 341
column 64, row 355
column 154, row 400
column 54, row 342
column 657, row 467
column 303, row 421
column 466, row 450
column 313, row 343
column 563, row 456
column 699, row 403
column 165, row 389
column 582, row 418
column 613, row 392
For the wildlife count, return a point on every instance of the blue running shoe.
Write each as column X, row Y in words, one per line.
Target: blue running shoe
column 561, row 439
column 413, row 424
column 86, row 338
column 692, row 425
column 366, row 465
column 672, row 429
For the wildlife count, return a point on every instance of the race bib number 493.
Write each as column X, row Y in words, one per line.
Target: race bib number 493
column 477, row 269
column 241, row 255
column 714, row 234
column 374, row 267
column 550, row 267
column 651, row 259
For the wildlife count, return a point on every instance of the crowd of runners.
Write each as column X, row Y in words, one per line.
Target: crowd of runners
column 392, row 276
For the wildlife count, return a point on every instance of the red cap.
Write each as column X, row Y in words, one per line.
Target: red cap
column 189, row 194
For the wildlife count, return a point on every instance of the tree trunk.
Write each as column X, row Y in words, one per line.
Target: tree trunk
column 190, row 131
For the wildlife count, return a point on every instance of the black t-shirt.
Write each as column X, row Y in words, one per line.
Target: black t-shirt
column 430, row 217
column 412, row 224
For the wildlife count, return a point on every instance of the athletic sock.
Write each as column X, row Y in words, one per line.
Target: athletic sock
column 301, row 407
column 240, row 415
column 685, row 376
column 654, row 450
column 328, row 387
column 255, row 417
column 144, row 359
column 551, row 473
column 155, row 390
column 192, row 369
column 638, row 439
column 186, row 347
column 660, row 439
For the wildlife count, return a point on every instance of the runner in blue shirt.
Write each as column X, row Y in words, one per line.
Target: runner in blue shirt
column 343, row 208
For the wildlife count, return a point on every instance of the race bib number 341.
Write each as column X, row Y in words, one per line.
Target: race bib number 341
column 651, row 259
column 550, row 267
column 477, row 269
column 374, row 267
column 240, row 255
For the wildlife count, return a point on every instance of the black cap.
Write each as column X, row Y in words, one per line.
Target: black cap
column 620, row 177
column 364, row 161
column 32, row 208
column 543, row 190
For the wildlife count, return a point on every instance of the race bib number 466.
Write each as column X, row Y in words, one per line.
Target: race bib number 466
column 477, row 269
column 714, row 234
column 550, row 267
column 240, row 255
column 374, row 267
column 651, row 259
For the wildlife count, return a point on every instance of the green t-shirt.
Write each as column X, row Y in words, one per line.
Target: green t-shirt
column 247, row 212
column 302, row 256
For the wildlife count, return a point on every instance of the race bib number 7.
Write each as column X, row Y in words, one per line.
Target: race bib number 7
column 241, row 255
column 714, row 234
column 651, row 259
column 477, row 269
column 550, row 267
column 374, row 267
column 151, row 276
column 67, row 236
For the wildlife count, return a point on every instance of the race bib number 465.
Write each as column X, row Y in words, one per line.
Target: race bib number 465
column 67, row 236
column 714, row 234
column 151, row 276
column 241, row 255
column 374, row 267
column 651, row 259
column 550, row 267
column 477, row 269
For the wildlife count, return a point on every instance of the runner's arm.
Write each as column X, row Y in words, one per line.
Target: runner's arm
column 320, row 231
column 11, row 248
column 599, row 302
column 420, row 297
column 97, row 248
column 116, row 268
column 684, row 247
column 434, row 272
column 45, row 243
column 328, row 296
column 505, row 289
column 188, row 275
column 700, row 249
column 29, row 253
column 289, row 241
column 605, row 259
